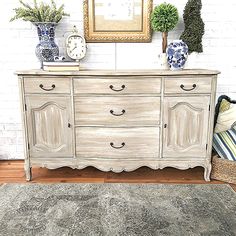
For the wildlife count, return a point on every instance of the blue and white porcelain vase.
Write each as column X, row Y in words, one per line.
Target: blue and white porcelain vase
column 177, row 54
column 47, row 49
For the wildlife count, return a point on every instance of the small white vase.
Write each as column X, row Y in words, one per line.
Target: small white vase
column 163, row 61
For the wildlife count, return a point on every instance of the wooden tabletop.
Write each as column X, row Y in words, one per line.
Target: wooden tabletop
column 120, row 72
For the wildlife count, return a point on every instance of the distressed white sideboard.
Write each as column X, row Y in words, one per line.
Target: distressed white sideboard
column 118, row 120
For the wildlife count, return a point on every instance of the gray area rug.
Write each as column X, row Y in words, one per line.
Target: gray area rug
column 117, row 209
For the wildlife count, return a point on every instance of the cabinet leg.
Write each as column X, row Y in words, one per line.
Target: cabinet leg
column 207, row 172
column 28, row 172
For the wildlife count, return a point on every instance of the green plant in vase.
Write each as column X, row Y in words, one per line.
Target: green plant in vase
column 164, row 18
column 45, row 17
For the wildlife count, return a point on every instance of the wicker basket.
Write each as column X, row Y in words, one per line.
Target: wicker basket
column 223, row 170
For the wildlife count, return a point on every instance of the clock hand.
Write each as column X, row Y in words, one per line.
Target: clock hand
column 74, row 47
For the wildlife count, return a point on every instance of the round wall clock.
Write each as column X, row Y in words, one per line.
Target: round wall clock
column 76, row 45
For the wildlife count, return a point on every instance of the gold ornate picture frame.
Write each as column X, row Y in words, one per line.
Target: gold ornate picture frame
column 117, row 20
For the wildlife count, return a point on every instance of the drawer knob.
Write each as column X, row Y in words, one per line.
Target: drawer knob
column 117, row 90
column 121, row 114
column 47, row 89
column 185, row 89
column 119, row 147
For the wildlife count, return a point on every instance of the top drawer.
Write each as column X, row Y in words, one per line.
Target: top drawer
column 188, row 85
column 47, row 85
column 116, row 86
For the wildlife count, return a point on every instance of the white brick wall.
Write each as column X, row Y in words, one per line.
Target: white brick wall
column 18, row 41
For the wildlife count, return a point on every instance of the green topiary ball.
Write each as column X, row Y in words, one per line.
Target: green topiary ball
column 164, row 17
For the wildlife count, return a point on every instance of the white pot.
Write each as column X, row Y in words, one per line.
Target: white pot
column 163, row 61
column 192, row 62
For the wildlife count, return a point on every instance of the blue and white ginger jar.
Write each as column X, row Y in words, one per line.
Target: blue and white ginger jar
column 177, row 54
column 47, row 49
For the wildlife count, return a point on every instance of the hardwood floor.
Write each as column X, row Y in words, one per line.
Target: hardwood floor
column 13, row 172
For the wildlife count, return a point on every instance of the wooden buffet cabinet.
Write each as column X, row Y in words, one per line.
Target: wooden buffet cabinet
column 118, row 120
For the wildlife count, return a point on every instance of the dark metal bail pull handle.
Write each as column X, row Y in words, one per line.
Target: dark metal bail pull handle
column 122, row 145
column 47, row 89
column 121, row 114
column 117, row 90
column 193, row 87
column 165, row 126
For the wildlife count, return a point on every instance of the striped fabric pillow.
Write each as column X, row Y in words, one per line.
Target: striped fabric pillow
column 224, row 143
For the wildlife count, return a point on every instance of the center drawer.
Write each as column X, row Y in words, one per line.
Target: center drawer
column 116, row 86
column 122, row 143
column 117, row 111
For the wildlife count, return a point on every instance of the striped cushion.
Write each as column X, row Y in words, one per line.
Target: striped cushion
column 224, row 143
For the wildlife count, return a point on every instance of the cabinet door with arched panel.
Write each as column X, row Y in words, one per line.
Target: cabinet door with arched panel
column 49, row 126
column 185, row 127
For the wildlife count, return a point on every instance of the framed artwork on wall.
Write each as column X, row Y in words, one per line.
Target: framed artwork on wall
column 117, row 20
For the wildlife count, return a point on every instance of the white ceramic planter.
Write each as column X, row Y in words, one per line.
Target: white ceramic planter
column 163, row 61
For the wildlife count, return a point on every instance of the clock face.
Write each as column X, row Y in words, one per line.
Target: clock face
column 76, row 47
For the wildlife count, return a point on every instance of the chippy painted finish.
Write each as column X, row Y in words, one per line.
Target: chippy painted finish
column 118, row 120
